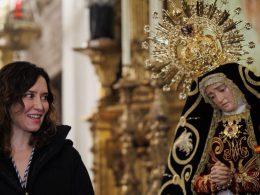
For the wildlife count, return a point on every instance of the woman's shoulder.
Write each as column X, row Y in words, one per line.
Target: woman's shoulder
column 59, row 142
column 63, row 129
column 67, row 146
column 61, row 132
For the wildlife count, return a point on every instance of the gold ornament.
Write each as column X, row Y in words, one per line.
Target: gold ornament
column 189, row 42
column 231, row 129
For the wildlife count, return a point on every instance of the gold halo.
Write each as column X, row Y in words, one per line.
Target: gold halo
column 191, row 41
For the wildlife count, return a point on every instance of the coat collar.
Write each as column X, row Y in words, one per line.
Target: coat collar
column 46, row 152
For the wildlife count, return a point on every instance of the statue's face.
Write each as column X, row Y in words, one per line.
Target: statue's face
column 222, row 97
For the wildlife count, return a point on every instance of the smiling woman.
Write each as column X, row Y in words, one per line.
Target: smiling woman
column 30, row 140
column 28, row 118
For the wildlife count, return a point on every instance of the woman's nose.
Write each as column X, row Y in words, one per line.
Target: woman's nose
column 38, row 103
column 219, row 97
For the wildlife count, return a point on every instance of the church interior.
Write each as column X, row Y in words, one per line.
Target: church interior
column 122, row 120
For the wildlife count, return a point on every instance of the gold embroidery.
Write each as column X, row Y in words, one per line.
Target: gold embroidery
column 250, row 80
column 205, row 157
column 187, row 170
column 196, row 90
column 184, row 142
column 193, row 151
column 231, row 137
column 244, row 178
column 231, row 125
column 177, row 179
column 231, row 129
column 196, row 103
column 237, row 151
column 182, row 121
column 253, row 91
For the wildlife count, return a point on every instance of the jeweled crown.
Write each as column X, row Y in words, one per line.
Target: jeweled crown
column 188, row 42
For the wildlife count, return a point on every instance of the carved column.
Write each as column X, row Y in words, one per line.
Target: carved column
column 128, row 182
column 131, row 128
column 104, row 54
column 158, row 126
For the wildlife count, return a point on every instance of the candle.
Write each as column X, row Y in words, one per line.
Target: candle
column 126, row 40
column 18, row 12
column 154, row 6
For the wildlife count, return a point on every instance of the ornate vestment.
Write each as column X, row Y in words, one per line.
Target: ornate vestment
column 202, row 136
column 231, row 141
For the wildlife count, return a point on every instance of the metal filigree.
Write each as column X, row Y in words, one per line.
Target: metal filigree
column 188, row 42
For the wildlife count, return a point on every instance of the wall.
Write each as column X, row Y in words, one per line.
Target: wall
column 47, row 50
column 80, row 84
column 65, row 26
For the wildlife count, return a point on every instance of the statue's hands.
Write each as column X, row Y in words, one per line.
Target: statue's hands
column 220, row 175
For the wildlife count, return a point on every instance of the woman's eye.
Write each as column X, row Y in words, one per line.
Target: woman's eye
column 45, row 97
column 211, row 97
column 222, row 88
column 28, row 95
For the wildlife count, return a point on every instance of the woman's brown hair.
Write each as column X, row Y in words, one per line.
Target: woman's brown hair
column 17, row 78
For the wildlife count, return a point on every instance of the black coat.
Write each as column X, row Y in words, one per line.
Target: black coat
column 56, row 169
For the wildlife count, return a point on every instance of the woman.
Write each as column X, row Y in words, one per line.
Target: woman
column 35, row 157
column 214, row 145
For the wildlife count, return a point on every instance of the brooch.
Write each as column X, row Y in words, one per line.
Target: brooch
column 231, row 129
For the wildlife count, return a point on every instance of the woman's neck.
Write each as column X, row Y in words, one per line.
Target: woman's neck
column 239, row 110
column 20, row 141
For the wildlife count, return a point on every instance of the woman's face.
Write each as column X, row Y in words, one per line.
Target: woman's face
column 30, row 117
column 222, row 97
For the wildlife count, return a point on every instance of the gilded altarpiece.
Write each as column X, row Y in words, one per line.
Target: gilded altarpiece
column 134, row 121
